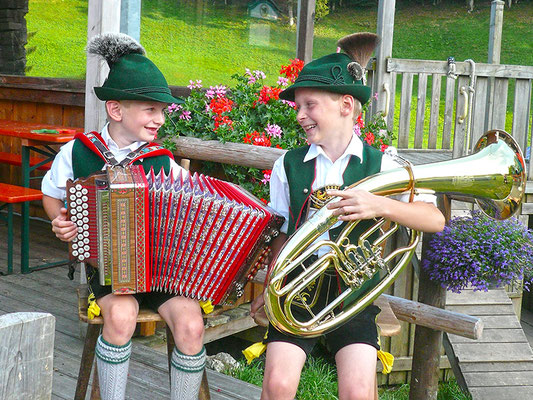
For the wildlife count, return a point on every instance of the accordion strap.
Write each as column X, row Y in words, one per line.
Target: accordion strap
column 96, row 143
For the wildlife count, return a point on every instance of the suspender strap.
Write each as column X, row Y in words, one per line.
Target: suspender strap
column 95, row 142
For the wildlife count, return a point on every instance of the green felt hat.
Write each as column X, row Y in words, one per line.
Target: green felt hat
column 132, row 76
column 339, row 72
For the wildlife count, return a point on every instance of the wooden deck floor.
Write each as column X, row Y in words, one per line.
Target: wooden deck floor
column 51, row 291
column 499, row 365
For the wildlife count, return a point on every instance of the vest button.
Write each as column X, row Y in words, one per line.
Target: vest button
column 306, row 190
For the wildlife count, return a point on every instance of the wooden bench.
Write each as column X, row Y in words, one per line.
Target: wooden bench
column 16, row 159
column 9, row 195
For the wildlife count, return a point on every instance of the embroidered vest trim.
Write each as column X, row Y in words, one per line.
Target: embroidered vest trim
column 87, row 158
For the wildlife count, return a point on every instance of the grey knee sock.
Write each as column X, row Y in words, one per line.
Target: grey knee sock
column 113, row 362
column 186, row 375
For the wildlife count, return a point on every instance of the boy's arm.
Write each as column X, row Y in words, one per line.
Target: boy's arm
column 359, row 204
column 56, row 211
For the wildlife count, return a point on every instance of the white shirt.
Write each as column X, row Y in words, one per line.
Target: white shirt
column 326, row 173
column 55, row 181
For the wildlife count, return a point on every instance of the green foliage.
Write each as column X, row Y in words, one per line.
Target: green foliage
column 252, row 112
column 321, row 9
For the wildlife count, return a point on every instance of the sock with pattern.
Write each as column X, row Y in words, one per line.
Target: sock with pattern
column 186, row 375
column 113, row 362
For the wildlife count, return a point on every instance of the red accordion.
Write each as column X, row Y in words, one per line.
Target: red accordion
column 195, row 235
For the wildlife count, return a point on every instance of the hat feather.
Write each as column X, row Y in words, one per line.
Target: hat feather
column 359, row 46
column 113, row 46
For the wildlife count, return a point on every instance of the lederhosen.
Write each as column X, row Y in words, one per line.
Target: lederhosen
column 300, row 177
column 89, row 155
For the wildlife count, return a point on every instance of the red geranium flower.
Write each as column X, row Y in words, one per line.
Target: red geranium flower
column 292, row 70
column 369, row 138
column 267, row 93
column 257, row 139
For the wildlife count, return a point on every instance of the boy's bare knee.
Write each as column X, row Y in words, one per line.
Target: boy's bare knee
column 119, row 322
column 189, row 335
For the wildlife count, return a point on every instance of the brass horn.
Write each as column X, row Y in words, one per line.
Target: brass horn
column 494, row 176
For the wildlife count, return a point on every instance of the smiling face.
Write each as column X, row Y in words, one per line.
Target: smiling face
column 132, row 120
column 327, row 118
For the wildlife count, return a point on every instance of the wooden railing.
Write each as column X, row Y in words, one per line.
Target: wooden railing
column 457, row 102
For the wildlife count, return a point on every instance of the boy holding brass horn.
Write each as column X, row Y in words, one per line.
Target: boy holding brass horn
column 329, row 94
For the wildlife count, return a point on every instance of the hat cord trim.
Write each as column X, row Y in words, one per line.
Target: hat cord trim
column 336, row 72
column 320, row 79
column 148, row 89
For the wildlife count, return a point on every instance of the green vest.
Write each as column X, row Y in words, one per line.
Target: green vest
column 85, row 161
column 300, row 177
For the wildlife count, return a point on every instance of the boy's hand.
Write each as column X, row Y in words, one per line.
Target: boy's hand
column 64, row 229
column 257, row 311
column 356, row 204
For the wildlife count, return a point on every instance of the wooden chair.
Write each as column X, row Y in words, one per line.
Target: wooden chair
column 93, row 331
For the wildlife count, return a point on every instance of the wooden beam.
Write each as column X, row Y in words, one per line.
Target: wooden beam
column 385, row 30
column 428, row 341
column 228, row 153
column 103, row 17
column 400, row 65
column 305, row 30
column 27, row 356
column 435, row 318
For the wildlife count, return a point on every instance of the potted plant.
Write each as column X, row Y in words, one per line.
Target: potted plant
column 479, row 252
column 251, row 112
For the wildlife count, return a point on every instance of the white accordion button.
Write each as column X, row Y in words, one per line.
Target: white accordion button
column 78, row 187
column 81, row 257
column 73, row 218
column 74, row 253
column 72, row 190
column 74, row 246
column 84, row 198
column 86, row 234
column 84, row 191
column 85, row 213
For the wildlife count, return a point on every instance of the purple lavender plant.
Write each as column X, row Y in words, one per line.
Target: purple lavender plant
column 479, row 252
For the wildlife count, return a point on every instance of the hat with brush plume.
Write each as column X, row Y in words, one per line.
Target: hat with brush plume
column 132, row 76
column 339, row 72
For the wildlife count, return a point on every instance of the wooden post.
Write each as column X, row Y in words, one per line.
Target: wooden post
column 103, row 17
column 26, row 355
column 305, row 30
column 385, row 30
column 495, row 45
column 428, row 342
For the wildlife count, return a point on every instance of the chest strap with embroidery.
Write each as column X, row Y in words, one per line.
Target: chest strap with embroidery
column 95, row 142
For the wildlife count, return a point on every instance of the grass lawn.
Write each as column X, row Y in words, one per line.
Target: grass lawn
column 199, row 40
column 319, row 381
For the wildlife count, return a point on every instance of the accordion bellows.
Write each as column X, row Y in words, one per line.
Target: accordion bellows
column 194, row 235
